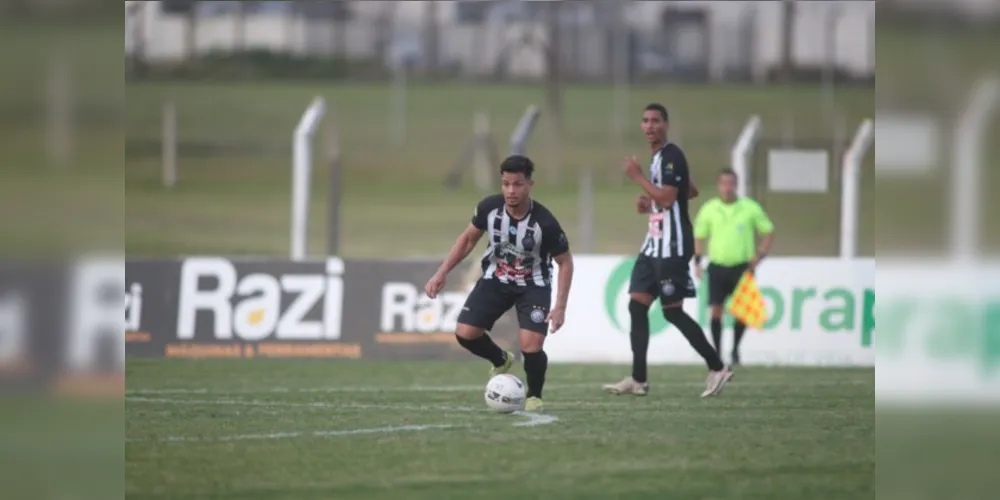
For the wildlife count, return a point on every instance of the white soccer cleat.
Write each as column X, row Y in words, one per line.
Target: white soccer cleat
column 628, row 385
column 716, row 381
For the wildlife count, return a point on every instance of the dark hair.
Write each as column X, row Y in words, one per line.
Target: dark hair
column 657, row 107
column 517, row 164
column 728, row 171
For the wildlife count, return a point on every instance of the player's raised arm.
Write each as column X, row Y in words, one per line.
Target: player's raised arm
column 664, row 196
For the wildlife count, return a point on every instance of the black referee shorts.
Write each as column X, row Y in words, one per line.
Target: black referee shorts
column 669, row 279
column 722, row 281
column 490, row 299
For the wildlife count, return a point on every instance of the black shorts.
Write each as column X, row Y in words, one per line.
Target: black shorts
column 722, row 281
column 669, row 279
column 490, row 299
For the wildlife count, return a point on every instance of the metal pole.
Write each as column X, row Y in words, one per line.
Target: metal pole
column 301, row 176
column 169, row 145
column 966, row 191
column 741, row 151
column 334, row 189
column 850, row 199
column 586, row 209
column 397, row 111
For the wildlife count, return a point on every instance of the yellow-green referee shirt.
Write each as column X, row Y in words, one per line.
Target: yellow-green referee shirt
column 731, row 229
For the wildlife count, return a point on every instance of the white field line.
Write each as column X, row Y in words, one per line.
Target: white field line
column 282, row 404
column 602, row 402
column 298, row 434
column 534, row 419
column 468, row 388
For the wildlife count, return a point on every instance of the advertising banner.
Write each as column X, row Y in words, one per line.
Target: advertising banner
column 217, row 307
column 150, row 306
column 820, row 312
column 61, row 325
column 940, row 337
column 403, row 323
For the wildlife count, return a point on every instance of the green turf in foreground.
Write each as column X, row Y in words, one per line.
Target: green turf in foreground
column 774, row 433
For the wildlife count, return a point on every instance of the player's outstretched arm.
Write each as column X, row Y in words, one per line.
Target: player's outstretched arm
column 464, row 245
column 558, row 313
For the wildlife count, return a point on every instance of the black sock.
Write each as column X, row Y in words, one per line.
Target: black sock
column 738, row 330
column 639, row 334
column 717, row 333
column 695, row 336
column 535, row 364
column 484, row 347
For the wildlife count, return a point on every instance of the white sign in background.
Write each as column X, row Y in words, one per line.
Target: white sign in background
column 820, row 313
column 940, row 338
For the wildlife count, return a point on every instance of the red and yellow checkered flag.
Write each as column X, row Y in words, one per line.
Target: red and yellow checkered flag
column 747, row 304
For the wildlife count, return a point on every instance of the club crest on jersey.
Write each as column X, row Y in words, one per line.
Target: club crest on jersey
column 537, row 315
column 528, row 243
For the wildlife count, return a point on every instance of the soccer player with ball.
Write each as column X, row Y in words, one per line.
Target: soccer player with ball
column 524, row 238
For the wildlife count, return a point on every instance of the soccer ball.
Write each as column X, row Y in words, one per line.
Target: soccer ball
column 505, row 393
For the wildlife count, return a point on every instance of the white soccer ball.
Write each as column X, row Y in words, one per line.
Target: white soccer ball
column 505, row 393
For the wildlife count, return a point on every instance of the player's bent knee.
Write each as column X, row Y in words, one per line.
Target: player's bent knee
column 468, row 332
column 672, row 306
column 637, row 308
column 531, row 341
column 642, row 298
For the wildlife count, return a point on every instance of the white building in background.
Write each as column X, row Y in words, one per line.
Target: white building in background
column 824, row 31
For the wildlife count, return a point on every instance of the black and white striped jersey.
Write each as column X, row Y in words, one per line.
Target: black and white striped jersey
column 520, row 252
column 670, row 233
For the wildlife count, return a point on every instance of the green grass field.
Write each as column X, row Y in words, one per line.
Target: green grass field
column 366, row 430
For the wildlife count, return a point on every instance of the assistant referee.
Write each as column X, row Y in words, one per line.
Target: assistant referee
column 730, row 224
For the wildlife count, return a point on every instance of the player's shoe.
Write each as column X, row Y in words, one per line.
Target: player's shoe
column 534, row 404
column 628, row 385
column 505, row 367
column 716, row 381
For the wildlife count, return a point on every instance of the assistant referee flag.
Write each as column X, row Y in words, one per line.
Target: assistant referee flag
column 747, row 304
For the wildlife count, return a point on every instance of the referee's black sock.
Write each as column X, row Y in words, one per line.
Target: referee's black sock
column 738, row 330
column 484, row 347
column 695, row 336
column 639, row 335
column 535, row 364
column 717, row 333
